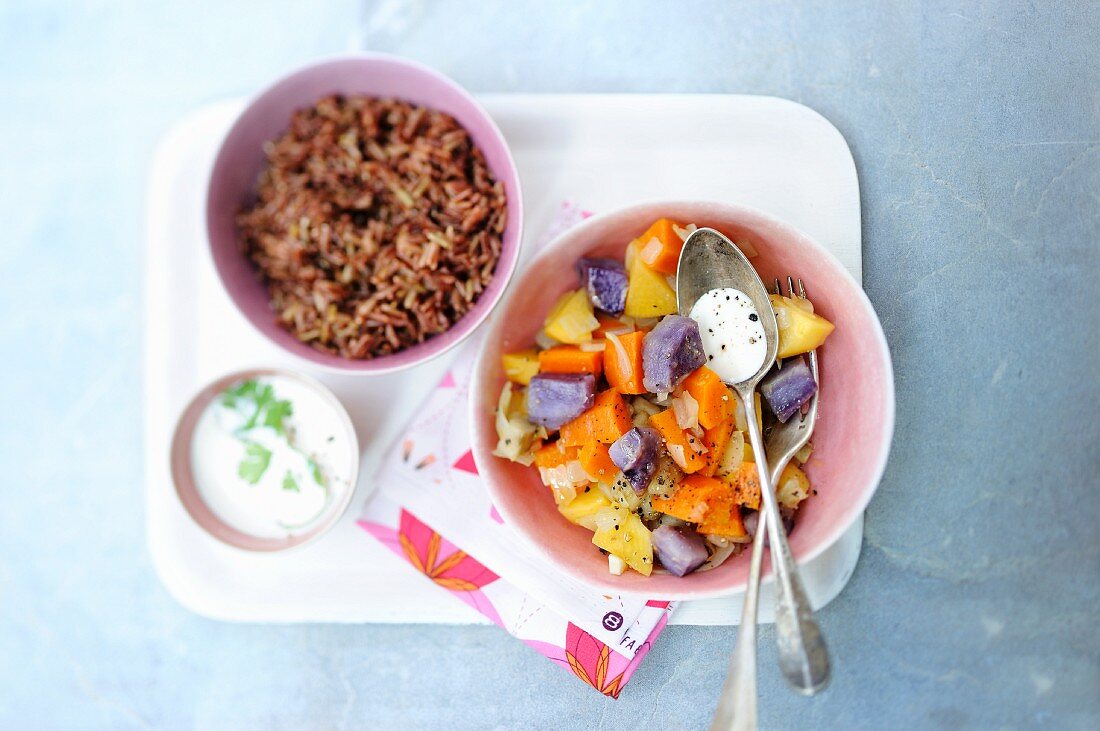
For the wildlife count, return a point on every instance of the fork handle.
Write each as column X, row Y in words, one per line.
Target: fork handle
column 737, row 705
column 803, row 656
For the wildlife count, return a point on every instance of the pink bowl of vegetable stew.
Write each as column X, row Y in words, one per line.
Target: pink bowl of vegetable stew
column 855, row 413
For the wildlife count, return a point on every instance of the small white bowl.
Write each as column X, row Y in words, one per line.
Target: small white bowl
column 191, row 496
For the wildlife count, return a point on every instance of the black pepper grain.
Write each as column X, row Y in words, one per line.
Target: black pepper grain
column 753, row 317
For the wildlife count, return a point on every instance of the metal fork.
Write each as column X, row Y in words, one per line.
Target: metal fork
column 805, row 664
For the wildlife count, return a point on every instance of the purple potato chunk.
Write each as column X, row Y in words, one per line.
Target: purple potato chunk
column 680, row 549
column 670, row 352
column 555, row 398
column 635, row 453
column 788, row 388
column 605, row 281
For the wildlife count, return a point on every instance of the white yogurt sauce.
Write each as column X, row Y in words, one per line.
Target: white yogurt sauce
column 275, row 474
column 732, row 335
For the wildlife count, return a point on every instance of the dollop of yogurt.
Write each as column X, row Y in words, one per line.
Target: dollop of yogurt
column 733, row 337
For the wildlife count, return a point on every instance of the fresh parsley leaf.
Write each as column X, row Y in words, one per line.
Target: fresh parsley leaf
column 275, row 413
column 254, row 465
column 289, row 483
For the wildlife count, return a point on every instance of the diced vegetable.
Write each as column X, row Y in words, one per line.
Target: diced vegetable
column 793, row 487
column 732, row 456
column 565, row 480
column 695, row 497
column 715, row 400
column 515, row 432
column 747, row 486
column 553, row 454
column 671, row 351
column 786, row 389
column 596, row 461
column 686, row 409
column 520, row 366
column 715, row 440
column 725, row 521
column 606, row 323
column 622, row 362
column 583, row 508
column 680, row 550
column 615, row 565
column 570, row 359
column 571, row 320
column 800, row 330
column 555, row 398
column 649, row 294
column 606, row 283
column 685, row 448
column 635, row 453
column 606, row 420
column 620, row 493
column 621, row 533
column 659, row 247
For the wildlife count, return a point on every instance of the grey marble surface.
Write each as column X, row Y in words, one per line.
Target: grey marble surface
column 976, row 131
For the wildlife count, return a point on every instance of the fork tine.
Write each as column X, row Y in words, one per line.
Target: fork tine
column 778, row 291
column 790, row 286
column 801, row 289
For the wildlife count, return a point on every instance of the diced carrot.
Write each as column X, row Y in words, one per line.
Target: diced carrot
column 607, row 322
column 607, row 420
column 695, row 499
column 625, row 374
column 570, row 359
column 596, row 461
column 725, row 521
column 554, row 454
column 716, row 402
column 747, row 486
column 664, row 255
column 680, row 444
column 715, row 440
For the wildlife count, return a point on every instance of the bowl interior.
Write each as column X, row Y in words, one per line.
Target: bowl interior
column 855, row 415
column 241, row 160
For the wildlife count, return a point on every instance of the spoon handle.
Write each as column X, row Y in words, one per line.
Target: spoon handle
column 737, row 704
column 803, row 656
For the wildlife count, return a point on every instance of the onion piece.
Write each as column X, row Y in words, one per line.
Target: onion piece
column 620, row 352
column 684, row 232
column 803, row 455
column 595, row 346
column 686, row 409
column 651, row 249
column 615, row 564
column 544, row 341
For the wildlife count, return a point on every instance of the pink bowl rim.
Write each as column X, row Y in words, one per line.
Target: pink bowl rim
column 506, row 264
column 191, row 497
column 854, row 509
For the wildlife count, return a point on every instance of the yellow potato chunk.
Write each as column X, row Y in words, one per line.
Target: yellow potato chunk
column 648, row 293
column 521, row 366
column 621, row 533
column 800, row 330
column 571, row 319
column 583, row 508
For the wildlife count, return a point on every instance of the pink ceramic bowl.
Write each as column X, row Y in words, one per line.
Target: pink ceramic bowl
column 855, row 416
column 240, row 161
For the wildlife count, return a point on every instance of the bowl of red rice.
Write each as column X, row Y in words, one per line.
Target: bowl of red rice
column 364, row 214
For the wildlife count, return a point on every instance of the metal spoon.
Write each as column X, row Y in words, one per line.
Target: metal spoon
column 710, row 261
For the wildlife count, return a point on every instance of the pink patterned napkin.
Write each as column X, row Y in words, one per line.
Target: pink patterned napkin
column 431, row 509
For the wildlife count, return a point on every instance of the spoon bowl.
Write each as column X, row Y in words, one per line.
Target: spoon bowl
column 709, row 261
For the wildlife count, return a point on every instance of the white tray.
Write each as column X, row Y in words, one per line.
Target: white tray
column 602, row 151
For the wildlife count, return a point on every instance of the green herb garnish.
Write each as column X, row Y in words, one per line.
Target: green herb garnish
column 289, row 483
column 256, row 459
